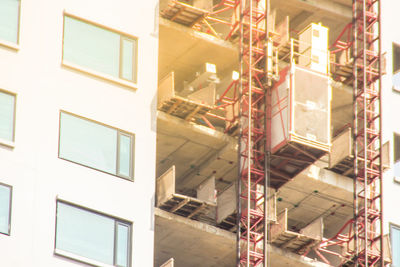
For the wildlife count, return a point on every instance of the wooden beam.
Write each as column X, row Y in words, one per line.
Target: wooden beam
column 190, row 116
column 174, row 106
column 180, row 205
column 200, row 208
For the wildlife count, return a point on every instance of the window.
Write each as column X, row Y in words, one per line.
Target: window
column 92, row 237
column 99, row 50
column 396, row 153
column 9, row 21
column 395, row 244
column 96, row 145
column 396, row 66
column 5, row 208
column 7, row 116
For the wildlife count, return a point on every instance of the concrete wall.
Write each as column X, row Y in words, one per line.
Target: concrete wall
column 391, row 100
column 43, row 87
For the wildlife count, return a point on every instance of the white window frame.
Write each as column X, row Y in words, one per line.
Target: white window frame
column 117, row 80
column 83, row 259
column 9, row 209
column 396, row 178
column 395, row 72
column 11, row 44
column 119, row 133
column 397, row 227
column 7, row 143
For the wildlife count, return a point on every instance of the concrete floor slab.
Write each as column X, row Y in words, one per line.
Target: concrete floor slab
column 196, row 244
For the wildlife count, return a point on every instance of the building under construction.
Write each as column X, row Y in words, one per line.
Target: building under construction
column 269, row 139
column 199, row 133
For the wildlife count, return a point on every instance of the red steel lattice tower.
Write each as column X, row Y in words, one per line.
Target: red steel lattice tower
column 252, row 245
column 368, row 239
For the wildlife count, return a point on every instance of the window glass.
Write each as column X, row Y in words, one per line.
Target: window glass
column 98, row 49
column 5, row 200
column 122, row 245
column 84, row 233
column 125, row 149
column 88, row 143
column 396, row 57
column 396, row 66
column 395, row 240
column 9, row 20
column 127, row 59
column 7, row 107
column 396, row 148
column 91, row 46
column 95, row 145
column 396, row 81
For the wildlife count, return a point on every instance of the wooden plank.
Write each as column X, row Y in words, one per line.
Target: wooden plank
column 196, row 211
column 342, row 147
column 166, row 89
column 206, row 190
column 296, row 242
column 280, row 227
column 205, row 96
column 180, row 10
column 191, row 198
column 180, row 205
column 200, row 18
column 386, row 155
column 204, row 4
column 289, row 242
column 271, row 216
column 283, row 33
column 184, row 13
column 387, row 250
column 226, row 203
column 169, row 263
column 191, row 115
column 165, row 186
column 314, row 230
column 174, row 106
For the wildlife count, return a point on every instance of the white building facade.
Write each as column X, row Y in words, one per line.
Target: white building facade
column 78, row 85
column 391, row 123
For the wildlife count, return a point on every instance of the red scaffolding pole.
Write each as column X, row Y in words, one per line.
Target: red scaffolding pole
column 251, row 234
column 361, row 238
column 368, row 237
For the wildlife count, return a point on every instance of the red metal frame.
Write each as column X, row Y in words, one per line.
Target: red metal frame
column 368, row 226
column 252, row 239
column 362, row 237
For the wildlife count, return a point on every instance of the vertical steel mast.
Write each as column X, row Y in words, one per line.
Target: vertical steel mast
column 252, row 243
column 368, row 239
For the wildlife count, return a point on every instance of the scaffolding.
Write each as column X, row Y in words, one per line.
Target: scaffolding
column 253, row 169
column 248, row 106
column 361, row 239
column 368, row 165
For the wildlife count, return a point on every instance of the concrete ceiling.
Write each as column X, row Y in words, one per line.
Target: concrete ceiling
column 317, row 193
column 199, row 152
column 185, row 51
column 334, row 14
column 196, row 244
